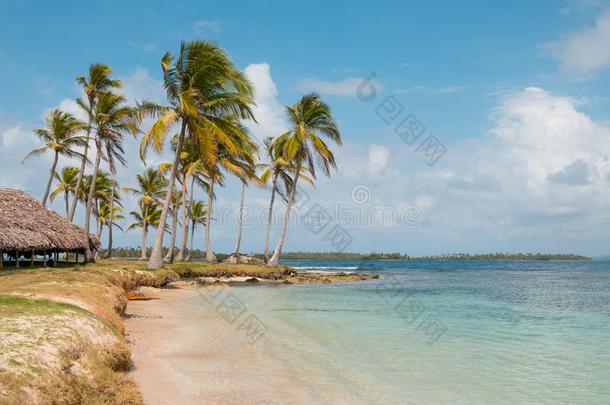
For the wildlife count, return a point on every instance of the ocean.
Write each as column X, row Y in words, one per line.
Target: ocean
column 448, row 332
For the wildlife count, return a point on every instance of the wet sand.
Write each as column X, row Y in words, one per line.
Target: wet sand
column 184, row 352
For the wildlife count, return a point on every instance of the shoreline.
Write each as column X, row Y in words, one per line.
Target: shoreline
column 185, row 352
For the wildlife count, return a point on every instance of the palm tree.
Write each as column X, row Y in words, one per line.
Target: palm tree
column 66, row 185
column 148, row 216
column 203, row 87
column 247, row 162
column 150, row 190
column 197, row 215
column 191, row 169
column 111, row 117
column 175, row 206
column 310, row 117
column 114, row 196
column 278, row 171
column 96, row 83
column 108, row 215
column 61, row 137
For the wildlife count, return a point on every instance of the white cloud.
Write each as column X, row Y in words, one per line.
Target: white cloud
column 586, row 51
column 269, row 113
column 141, row 85
column 201, row 26
column 346, row 87
column 378, row 158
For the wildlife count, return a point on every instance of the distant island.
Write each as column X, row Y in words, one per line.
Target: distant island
column 199, row 254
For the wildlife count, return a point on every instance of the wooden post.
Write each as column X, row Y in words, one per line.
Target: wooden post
column 16, row 259
column 32, row 260
column 1, row 259
column 44, row 257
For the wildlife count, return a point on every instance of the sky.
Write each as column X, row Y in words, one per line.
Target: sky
column 467, row 126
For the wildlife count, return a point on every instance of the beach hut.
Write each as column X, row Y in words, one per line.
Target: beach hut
column 29, row 230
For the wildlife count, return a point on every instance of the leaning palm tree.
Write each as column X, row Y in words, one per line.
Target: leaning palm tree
column 61, row 137
column 203, row 87
column 278, row 171
column 93, row 85
column 150, row 189
column 66, row 184
column 197, row 216
column 112, row 118
column 310, row 118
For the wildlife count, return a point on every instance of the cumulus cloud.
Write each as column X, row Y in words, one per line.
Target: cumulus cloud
column 346, row 87
column 586, row 51
column 378, row 158
column 269, row 113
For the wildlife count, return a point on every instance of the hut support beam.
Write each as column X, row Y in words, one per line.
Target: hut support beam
column 32, row 259
column 16, row 259
column 44, row 258
column 1, row 259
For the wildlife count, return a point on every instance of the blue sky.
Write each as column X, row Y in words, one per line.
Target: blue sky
column 516, row 92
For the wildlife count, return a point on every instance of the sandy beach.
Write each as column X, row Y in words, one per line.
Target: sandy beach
column 184, row 352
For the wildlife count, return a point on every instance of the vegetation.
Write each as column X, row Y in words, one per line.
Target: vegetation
column 303, row 145
column 208, row 102
column 506, row 256
column 62, row 138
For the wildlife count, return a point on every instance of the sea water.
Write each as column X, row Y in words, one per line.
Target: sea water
column 453, row 332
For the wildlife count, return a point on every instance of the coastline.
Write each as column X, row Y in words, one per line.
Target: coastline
column 184, row 352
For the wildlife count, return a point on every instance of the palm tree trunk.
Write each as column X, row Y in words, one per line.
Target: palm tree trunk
column 275, row 259
column 188, row 257
column 209, row 254
column 240, row 220
column 156, row 257
column 143, row 255
column 269, row 218
column 83, row 163
column 170, row 252
column 88, row 206
column 67, row 204
column 185, row 224
column 51, row 175
column 110, row 220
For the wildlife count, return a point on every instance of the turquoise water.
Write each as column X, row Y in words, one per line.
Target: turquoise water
column 447, row 331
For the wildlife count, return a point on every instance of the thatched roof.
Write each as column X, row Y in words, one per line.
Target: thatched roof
column 26, row 225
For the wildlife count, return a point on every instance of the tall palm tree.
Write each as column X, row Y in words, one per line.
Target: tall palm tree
column 191, row 170
column 66, row 184
column 108, row 215
column 93, row 85
column 150, row 190
column 174, row 208
column 278, row 171
column 114, row 196
column 148, row 216
column 310, row 118
column 112, row 118
column 247, row 161
column 61, row 137
column 197, row 215
column 203, row 87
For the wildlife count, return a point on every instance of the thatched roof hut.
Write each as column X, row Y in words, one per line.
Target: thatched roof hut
column 26, row 226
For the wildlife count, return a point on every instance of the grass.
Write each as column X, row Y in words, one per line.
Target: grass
column 62, row 328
